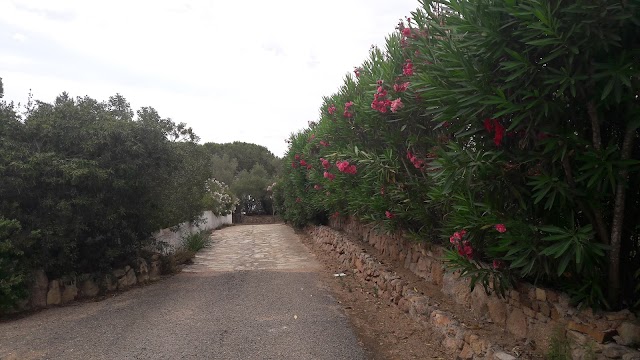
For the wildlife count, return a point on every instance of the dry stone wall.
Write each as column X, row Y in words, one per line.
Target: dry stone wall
column 529, row 313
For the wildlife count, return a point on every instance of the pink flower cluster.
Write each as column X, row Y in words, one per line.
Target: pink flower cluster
column 325, row 163
column 417, row 163
column 347, row 109
column 401, row 87
column 331, row 109
column 407, row 68
column 389, row 214
column 380, row 101
column 344, row 167
column 357, row 70
column 396, row 105
column 317, row 187
column 494, row 125
column 329, row 176
column 464, row 246
column 500, row 228
column 324, row 143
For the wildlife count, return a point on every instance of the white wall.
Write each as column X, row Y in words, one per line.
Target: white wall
column 174, row 239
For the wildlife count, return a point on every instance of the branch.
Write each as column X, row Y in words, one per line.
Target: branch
column 595, row 126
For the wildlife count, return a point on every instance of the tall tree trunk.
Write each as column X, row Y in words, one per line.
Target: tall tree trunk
column 618, row 218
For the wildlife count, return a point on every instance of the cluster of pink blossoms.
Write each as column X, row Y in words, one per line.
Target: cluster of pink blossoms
column 331, row 109
column 396, row 105
column 324, row 143
column 464, row 246
column 329, row 176
column 401, row 87
column 317, row 187
column 417, row 163
column 380, row 101
column 347, row 107
column 494, row 125
column 407, row 68
column 344, row 167
column 325, row 163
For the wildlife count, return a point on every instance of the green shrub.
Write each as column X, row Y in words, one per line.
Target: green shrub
column 12, row 266
column 511, row 124
column 196, row 241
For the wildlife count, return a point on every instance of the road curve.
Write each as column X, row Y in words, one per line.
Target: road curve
column 254, row 294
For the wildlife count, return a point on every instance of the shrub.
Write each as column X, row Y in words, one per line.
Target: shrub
column 513, row 123
column 196, row 241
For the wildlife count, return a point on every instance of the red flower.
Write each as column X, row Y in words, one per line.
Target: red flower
column 303, row 163
column 297, row 157
column 357, row 70
column 389, row 214
column 382, row 190
column 407, row 69
column 331, row 109
column 329, row 176
column 309, row 167
column 465, row 249
column 325, row 163
column 344, row 167
column 497, row 139
column 406, row 32
column 497, row 264
column 294, row 165
column 500, row 228
column 317, row 187
column 298, row 200
column 488, row 125
column 324, row 143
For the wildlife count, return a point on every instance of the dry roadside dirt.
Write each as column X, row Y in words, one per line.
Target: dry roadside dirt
column 386, row 331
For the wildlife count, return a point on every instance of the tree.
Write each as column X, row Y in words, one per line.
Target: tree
column 224, row 168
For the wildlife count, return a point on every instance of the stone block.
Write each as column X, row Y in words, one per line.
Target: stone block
column 497, row 311
column 629, row 332
column 541, row 294
column 517, row 323
column 54, row 296
column 89, row 288
column 39, row 289
column 589, row 330
column 69, row 292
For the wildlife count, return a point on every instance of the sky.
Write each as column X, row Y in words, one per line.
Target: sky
column 252, row 71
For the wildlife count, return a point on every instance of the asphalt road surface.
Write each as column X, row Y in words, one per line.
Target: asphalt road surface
column 254, row 294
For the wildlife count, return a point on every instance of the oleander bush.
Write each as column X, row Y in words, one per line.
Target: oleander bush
column 505, row 130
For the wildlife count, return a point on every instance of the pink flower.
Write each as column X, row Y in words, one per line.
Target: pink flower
column 357, row 70
column 465, row 249
column 324, row 143
column 382, row 190
column 406, row 32
column 332, row 109
column 401, row 87
column 325, row 163
column 309, row 167
column 329, row 176
column 317, row 187
column 500, row 228
column 347, row 107
column 297, row 157
column 396, row 105
column 303, row 163
column 497, row 264
column 389, row 214
column 294, row 165
column 313, row 136
column 298, row 200
column 407, row 69
column 344, row 167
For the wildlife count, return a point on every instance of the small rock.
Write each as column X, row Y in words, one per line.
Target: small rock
column 88, row 288
column 614, row 351
column 131, row 278
column 541, row 295
column 466, row 353
column 69, row 293
column 503, row 356
column 517, row 323
column 154, row 271
column 629, row 332
column 631, row 356
column 118, row 273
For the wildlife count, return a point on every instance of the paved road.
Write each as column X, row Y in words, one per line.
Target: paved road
column 254, row 294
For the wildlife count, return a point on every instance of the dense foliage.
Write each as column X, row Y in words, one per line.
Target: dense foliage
column 85, row 184
column 248, row 170
column 506, row 130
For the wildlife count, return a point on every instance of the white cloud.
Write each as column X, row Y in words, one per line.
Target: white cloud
column 249, row 71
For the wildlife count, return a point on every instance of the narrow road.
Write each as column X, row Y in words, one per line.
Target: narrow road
column 254, row 294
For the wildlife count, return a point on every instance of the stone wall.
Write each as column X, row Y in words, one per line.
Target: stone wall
column 528, row 312
column 47, row 292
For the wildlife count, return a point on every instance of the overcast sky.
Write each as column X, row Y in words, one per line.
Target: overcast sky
column 252, row 71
